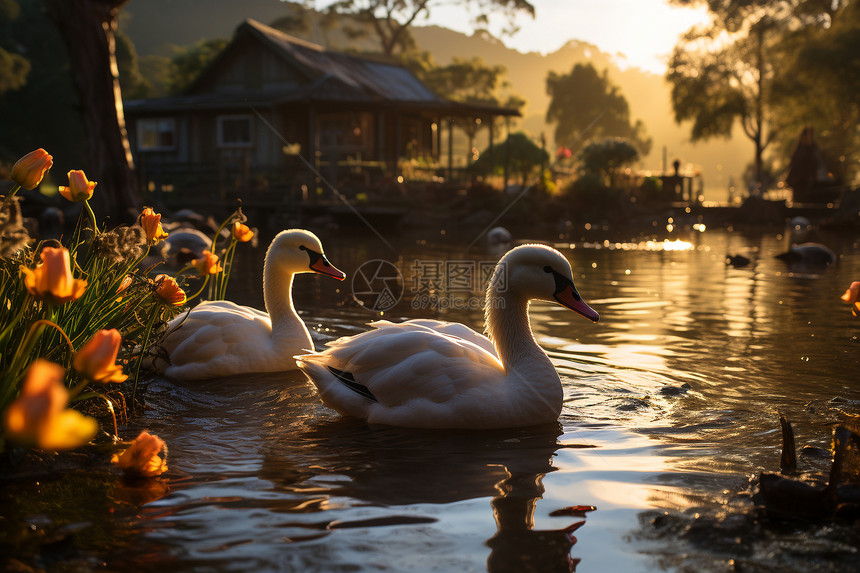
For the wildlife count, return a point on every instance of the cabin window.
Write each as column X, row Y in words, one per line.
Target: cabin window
column 156, row 134
column 235, row 131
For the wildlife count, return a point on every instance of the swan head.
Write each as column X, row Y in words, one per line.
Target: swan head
column 538, row 272
column 300, row 251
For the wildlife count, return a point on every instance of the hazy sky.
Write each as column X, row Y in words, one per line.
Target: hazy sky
column 645, row 31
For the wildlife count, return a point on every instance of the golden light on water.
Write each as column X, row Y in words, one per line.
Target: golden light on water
column 664, row 245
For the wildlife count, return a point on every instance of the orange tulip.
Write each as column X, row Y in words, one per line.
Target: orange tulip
column 168, row 289
column 852, row 297
column 207, row 264
column 52, row 279
column 80, row 188
column 30, row 169
column 242, row 233
column 151, row 223
column 141, row 458
column 96, row 360
column 38, row 417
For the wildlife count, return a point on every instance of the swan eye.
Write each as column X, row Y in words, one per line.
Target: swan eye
column 547, row 269
column 302, row 248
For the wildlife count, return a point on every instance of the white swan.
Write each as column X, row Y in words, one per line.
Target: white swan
column 431, row 374
column 221, row 338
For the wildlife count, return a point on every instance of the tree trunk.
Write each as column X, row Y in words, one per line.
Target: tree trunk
column 88, row 28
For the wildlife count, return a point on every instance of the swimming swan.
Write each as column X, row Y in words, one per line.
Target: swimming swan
column 221, row 338
column 431, row 374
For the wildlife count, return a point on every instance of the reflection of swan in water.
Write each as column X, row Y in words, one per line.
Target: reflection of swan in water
column 389, row 467
column 517, row 546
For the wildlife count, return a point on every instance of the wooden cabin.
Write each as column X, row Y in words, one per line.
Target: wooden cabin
column 277, row 118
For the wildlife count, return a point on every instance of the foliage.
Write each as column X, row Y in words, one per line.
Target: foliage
column 60, row 312
column 13, row 67
column 41, row 113
column 187, row 63
column 589, row 196
column 390, row 20
column 817, row 86
column 585, row 104
column 519, row 153
column 606, row 157
column 774, row 67
column 134, row 83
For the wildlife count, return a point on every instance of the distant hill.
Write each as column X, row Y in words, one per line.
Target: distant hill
column 155, row 25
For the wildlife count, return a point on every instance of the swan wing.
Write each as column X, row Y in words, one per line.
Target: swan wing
column 407, row 375
column 454, row 329
column 218, row 339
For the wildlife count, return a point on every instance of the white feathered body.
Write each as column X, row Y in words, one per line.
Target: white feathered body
column 433, row 374
column 221, row 338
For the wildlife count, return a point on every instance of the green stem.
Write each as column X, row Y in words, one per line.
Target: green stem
column 228, row 266
column 8, row 329
column 203, row 286
column 15, row 190
column 93, row 217
column 143, row 347
column 76, row 389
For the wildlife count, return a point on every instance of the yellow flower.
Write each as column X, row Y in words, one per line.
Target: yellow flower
column 242, row 233
column 169, row 291
column 29, row 170
column 80, row 188
column 38, row 417
column 52, row 279
column 151, row 223
column 141, row 458
column 207, row 264
column 852, row 297
column 96, row 360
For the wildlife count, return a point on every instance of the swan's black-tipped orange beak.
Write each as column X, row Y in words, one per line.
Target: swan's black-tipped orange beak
column 319, row 264
column 323, row 267
column 569, row 298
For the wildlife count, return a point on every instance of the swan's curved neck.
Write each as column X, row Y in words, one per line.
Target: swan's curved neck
column 278, row 297
column 534, row 384
column 507, row 323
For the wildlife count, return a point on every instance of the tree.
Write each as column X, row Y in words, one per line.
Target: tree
column 585, row 104
column 390, row 20
column 519, row 153
column 187, row 63
column 715, row 82
column 605, row 158
column 88, row 28
column 816, row 87
column 749, row 67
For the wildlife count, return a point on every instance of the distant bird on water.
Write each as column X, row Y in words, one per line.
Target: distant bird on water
column 737, row 261
column 808, row 255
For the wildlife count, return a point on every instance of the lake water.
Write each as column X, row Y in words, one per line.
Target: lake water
column 670, row 407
